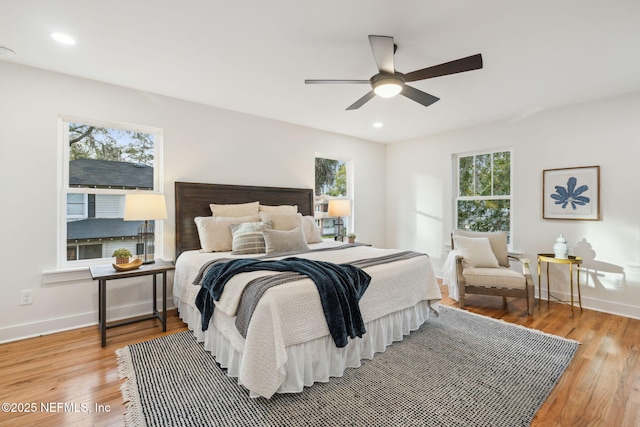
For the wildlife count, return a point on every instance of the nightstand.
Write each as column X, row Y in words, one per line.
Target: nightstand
column 103, row 273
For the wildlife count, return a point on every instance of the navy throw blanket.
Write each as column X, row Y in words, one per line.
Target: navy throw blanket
column 340, row 286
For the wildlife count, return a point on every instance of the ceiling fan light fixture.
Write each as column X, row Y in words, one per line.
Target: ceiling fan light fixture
column 387, row 88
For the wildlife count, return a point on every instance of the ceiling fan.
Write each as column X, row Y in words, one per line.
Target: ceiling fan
column 389, row 82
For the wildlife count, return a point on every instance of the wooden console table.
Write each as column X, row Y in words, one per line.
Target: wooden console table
column 102, row 273
column 550, row 258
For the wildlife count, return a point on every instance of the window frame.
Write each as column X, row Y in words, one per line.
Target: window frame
column 349, row 166
column 64, row 188
column 456, row 185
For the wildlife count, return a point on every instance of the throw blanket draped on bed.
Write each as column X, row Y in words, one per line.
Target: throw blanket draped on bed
column 340, row 287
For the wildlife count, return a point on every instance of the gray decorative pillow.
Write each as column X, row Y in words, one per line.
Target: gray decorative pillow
column 248, row 238
column 284, row 240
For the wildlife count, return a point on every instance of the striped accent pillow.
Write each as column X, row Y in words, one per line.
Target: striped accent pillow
column 248, row 238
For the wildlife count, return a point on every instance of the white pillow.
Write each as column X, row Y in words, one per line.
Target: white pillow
column 284, row 240
column 215, row 232
column 235, row 210
column 282, row 221
column 497, row 239
column 311, row 230
column 476, row 252
column 282, row 209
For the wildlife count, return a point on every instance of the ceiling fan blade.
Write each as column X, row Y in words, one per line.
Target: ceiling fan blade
column 418, row 95
column 360, row 102
column 383, row 49
column 469, row 63
column 320, row 82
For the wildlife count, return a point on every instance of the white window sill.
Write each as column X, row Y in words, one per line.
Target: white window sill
column 65, row 275
column 71, row 274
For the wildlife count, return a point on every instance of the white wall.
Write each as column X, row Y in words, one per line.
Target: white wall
column 604, row 133
column 411, row 180
column 201, row 144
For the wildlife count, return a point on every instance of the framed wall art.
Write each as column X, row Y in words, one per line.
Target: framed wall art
column 572, row 193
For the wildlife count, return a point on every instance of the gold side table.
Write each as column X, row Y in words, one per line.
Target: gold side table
column 550, row 258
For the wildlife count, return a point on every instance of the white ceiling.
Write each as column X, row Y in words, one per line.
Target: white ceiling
column 253, row 56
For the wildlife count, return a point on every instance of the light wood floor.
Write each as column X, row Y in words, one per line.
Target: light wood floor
column 601, row 387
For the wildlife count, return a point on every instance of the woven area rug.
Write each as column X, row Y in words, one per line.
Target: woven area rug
column 458, row 369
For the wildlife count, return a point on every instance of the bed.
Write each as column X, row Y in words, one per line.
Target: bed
column 287, row 344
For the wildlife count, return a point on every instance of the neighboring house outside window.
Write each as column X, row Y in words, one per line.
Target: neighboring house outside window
column 483, row 191
column 102, row 163
column 332, row 181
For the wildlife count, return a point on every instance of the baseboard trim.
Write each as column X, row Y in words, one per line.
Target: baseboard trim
column 609, row 307
column 624, row 310
column 80, row 320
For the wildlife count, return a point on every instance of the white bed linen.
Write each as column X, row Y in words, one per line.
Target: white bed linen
column 450, row 278
column 282, row 353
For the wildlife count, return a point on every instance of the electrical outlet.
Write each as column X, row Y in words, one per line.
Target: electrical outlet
column 26, row 297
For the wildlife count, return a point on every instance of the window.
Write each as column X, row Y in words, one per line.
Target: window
column 76, row 206
column 483, row 192
column 102, row 162
column 332, row 182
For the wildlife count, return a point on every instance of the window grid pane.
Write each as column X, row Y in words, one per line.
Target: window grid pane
column 466, row 176
column 484, row 215
column 502, row 173
column 483, row 175
column 331, row 182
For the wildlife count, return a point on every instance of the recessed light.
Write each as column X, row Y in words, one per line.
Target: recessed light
column 63, row 38
column 377, row 125
column 6, row 52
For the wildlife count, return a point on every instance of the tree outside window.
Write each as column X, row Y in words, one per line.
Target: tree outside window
column 483, row 192
column 331, row 177
column 331, row 182
column 103, row 163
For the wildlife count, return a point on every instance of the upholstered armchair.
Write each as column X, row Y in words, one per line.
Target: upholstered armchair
column 482, row 267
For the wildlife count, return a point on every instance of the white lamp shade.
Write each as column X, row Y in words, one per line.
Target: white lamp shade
column 339, row 207
column 143, row 207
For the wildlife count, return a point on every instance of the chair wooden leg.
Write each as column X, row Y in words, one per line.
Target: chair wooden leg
column 530, row 299
column 461, row 297
column 504, row 302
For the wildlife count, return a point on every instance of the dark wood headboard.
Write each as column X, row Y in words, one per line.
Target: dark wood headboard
column 193, row 199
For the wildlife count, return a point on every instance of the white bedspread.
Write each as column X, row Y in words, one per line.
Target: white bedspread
column 450, row 278
column 290, row 314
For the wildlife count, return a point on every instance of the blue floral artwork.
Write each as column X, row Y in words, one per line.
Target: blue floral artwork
column 571, row 195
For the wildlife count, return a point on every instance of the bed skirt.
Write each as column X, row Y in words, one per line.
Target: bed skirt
column 319, row 359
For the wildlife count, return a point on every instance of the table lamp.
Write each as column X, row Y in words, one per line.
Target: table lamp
column 145, row 207
column 339, row 208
